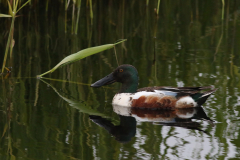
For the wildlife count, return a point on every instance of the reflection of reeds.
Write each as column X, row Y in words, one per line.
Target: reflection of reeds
column 13, row 9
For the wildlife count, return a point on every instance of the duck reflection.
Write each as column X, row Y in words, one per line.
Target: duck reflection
column 130, row 116
column 123, row 132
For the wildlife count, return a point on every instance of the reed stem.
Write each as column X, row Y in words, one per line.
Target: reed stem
column 116, row 55
column 78, row 14
column 91, row 12
column 147, row 1
column 73, row 11
column 158, row 6
column 8, row 43
column 223, row 5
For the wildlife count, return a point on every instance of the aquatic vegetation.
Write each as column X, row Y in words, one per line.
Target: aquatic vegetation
column 223, row 4
column 13, row 10
column 174, row 48
column 81, row 54
column 158, row 6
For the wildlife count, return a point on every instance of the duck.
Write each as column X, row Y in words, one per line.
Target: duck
column 157, row 97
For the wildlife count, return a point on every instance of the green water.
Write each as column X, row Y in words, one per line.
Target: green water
column 188, row 44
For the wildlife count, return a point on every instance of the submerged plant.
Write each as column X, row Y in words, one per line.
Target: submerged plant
column 81, row 54
column 13, row 10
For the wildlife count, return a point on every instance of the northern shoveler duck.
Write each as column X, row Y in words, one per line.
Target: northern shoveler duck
column 151, row 97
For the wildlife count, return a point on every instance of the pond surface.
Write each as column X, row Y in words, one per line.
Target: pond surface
column 62, row 117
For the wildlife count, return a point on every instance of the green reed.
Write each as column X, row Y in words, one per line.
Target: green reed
column 73, row 15
column 78, row 14
column 75, row 19
column 82, row 54
column 158, row 6
column 91, row 12
column 66, row 7
column 223, row 5
column 13, row 10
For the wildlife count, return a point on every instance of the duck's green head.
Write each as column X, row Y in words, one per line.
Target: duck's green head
column 125, row 74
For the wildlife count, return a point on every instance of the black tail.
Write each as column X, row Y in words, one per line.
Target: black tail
column 201, row 98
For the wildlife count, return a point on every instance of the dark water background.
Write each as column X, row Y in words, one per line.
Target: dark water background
column 188, row 44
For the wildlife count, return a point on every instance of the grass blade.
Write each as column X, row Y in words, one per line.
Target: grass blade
column 10, row 8
column 16, row 5
column 80, row 55
column 5, row 15
column 23, row 5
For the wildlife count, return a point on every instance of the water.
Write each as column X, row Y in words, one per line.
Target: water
column 188, row 45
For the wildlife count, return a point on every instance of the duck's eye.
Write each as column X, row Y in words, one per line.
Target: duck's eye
column 120, row 70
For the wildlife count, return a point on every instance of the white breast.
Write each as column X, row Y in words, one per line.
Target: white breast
column 123, row 99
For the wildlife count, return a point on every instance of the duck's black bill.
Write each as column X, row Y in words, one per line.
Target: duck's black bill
column 109, row 79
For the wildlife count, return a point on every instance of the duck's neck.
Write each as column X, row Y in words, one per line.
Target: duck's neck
column 130, row 86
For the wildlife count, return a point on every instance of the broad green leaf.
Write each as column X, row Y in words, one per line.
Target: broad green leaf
column 5, row 15
column 80, row 55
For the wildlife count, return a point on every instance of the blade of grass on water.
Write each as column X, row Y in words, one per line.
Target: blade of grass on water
column 81, row 54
